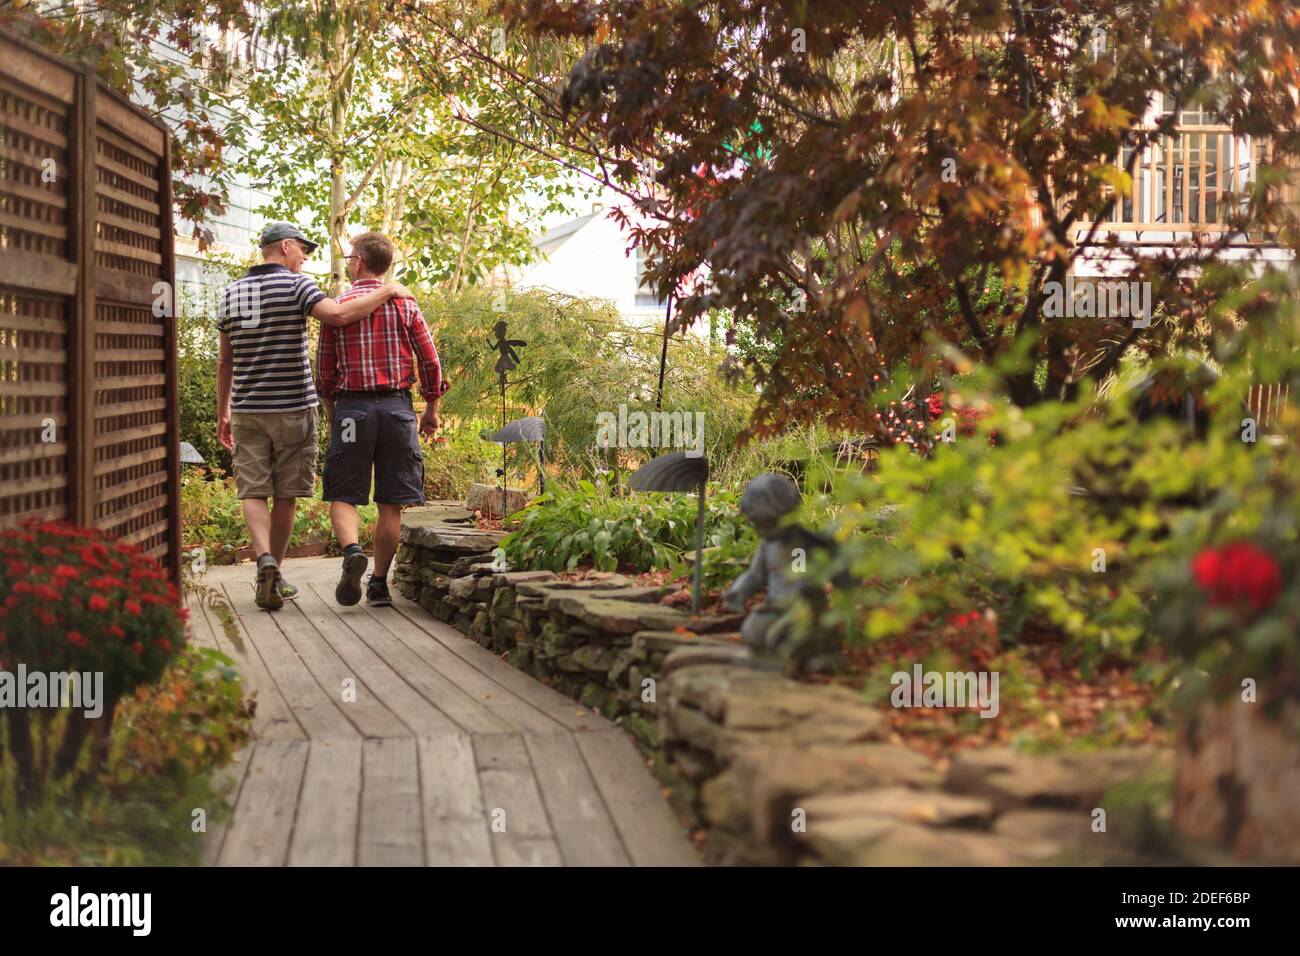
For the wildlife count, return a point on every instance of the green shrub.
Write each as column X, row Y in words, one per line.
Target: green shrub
column 585, row 525
column 581, row 360
column 1055, row 516
column 212, row 518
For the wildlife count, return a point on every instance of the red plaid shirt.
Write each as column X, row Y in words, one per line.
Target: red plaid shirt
column 380, row 351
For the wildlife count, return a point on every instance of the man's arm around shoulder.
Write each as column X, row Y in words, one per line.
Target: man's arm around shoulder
column 336, row 313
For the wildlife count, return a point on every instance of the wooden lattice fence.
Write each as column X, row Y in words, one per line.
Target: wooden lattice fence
column 88, row 399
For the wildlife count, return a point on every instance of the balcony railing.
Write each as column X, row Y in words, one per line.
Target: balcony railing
column 1187, row 183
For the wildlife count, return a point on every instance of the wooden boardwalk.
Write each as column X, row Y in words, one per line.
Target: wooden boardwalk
column 386, row 738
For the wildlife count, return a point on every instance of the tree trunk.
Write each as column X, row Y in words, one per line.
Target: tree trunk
column 1237, row 784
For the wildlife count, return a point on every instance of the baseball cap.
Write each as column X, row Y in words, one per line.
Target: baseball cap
column 277, row 231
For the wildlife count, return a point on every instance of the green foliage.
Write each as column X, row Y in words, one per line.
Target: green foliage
column 212, row 517
column 1022, row 523
column 587, row 525
column 167, row 740
column 458, row 457
column 581, row 360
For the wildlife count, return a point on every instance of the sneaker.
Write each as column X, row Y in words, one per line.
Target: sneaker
column 348, row 591
column 377, row 592
column 287, row 590
column 268, row 584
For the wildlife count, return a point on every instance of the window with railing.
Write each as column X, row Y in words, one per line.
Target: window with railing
column 1188, row 178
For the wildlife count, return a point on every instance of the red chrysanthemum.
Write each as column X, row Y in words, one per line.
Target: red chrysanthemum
column 1238, row 575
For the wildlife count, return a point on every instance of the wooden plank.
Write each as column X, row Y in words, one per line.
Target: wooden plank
column 129, row 199
column 649, row 830
column 109, row 135
column 35, row 323
column 128, row 252
column 33, row 389
column 551, row 702
column 52, row 137
column 329, row 807
column 42, row 74
column 467, row 713
column 261, row 826
column 171, row 366
column 315, row 710
column 274, row 720
column 50, row 230
column 111, row 409
column 455, row 828
column 362, row 706
column 41, row 274
column 113, row 492
column 127, row 288
column 110, row 465
column 135, row 537
column 528, row 851
column 226, row 785
column 519, row 714
column 156, row 503
column 110, row 383
column 413, row 712
column 22, row 453
column 107, row 163
column 127, row 120
column 584, row 830
column 391, row 832
column 517, row 821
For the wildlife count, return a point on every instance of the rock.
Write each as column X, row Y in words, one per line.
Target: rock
column 595, row 659
column 545, row 589
column 461, row 587
column 488, row 500
column 437, row 512
column 879, row 841
column 512, row 579
column 613, row 616
column 451, row 540
column 929, row 807
column 1071, row 828
column 503, row 602
column 730, row 655
column 1011, row 778
column 723, row 802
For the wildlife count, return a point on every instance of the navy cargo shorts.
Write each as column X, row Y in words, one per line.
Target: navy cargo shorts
column 375, row 430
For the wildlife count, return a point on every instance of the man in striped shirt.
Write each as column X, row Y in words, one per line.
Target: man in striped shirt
column 266, row 402
column 366, row 372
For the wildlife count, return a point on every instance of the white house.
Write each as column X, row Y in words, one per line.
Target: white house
column 591, row 257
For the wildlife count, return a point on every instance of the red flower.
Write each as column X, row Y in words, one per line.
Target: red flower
column 97, row 603
column 113, row 630
column 165, row 644
column 131, row 607
column 935, row 405
column 137, row 647
column 66, row 571
column 1238, row 575
column 75, row 639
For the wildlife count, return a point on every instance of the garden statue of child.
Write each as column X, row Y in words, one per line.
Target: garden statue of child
column 776, row 568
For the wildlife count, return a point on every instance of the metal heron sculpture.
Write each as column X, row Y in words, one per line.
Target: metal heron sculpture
column 530, row 429
column 679, row 471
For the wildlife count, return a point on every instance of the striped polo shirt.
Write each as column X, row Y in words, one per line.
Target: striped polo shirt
column 264, row 314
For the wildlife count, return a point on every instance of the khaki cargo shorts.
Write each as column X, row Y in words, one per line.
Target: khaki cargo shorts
column 275, row 453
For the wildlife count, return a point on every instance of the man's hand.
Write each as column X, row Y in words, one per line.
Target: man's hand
column 400, row 291
column 429, row 421
column 224, row 434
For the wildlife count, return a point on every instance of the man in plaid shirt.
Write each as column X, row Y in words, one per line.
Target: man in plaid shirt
column 365, row 374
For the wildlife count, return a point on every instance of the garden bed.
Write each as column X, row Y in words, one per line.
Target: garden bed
column 767, row 770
